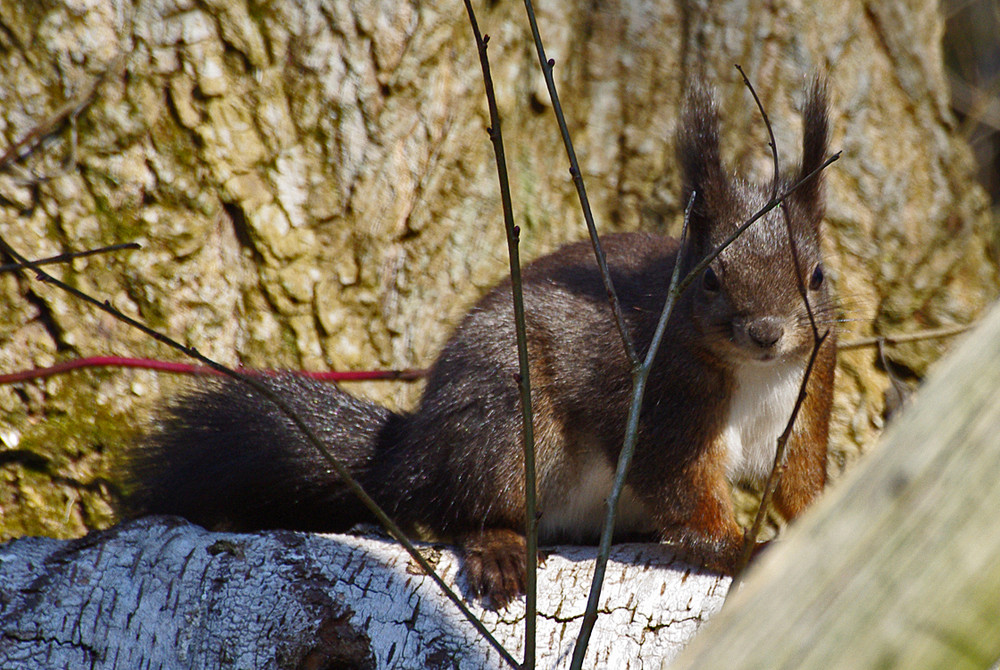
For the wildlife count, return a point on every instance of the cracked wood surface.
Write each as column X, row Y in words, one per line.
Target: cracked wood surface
column 162, row 593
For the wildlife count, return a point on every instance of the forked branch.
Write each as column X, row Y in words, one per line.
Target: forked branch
column 774, row 477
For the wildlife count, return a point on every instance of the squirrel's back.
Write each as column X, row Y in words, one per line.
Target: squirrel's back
column 465, row 436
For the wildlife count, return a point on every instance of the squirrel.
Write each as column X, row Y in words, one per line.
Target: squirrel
column 721, row 391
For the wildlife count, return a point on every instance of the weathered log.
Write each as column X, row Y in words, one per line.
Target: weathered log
column 162, row 593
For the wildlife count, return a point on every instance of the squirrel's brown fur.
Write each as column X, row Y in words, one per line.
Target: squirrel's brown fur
column 722, row 387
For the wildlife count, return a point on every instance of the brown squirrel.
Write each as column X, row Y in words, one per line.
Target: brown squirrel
column 721, row 391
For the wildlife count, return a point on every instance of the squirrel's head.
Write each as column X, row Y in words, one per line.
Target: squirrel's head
column 748, row 303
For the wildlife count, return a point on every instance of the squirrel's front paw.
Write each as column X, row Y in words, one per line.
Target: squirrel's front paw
column 495, row 565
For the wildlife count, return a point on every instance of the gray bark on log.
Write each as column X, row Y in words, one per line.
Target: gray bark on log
column 161, row 593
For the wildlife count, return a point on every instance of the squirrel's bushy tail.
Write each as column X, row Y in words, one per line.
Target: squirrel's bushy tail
column 225, row 457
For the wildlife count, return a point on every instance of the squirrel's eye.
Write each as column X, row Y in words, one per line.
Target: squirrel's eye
column 816, row 280
column 710, row 281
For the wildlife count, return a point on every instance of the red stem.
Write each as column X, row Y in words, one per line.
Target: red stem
column 191, row 369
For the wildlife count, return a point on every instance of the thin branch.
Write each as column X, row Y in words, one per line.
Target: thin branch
column 920, row 335
column 770, row 132
column 771, row 204
column 70, row 110
column 404, row 375
column 281, row 404
column 775, row 475
column 777, row 467
column 793, row 246
column 628, row 450
column 69, row 256
column 638, row 374
column 191, row 369
column 523, row 377
column 638, row 389
column 634, row 409
column 574, row 170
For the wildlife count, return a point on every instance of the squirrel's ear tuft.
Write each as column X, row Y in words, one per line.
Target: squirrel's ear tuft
column 699, row 156
column 814, row 143
column 698, row 141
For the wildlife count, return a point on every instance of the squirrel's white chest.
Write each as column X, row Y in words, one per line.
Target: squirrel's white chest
column 758, row 413
column 574, row 509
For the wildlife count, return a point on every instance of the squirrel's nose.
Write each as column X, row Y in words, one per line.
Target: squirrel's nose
column 765, row 331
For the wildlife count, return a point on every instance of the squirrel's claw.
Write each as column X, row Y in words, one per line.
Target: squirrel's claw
column 494, row 565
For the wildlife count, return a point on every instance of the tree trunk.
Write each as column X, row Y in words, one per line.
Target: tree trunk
column 160, row 593
column 306, row 177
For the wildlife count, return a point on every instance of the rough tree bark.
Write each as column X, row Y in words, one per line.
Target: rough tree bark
column 307, row 176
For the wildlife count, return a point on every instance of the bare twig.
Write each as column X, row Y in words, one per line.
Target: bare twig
column 932, row 334
column 774, row 477
column 524, row 382
column 405, row 375
column 633, row 421
column 677, row 288
column 191, row 369
column 628, row 450
column 632, row 429
column 770, row 132
column 70, row 110
column 771, row 204
column 637, row 366
column 581, row 190
column 69, row 256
